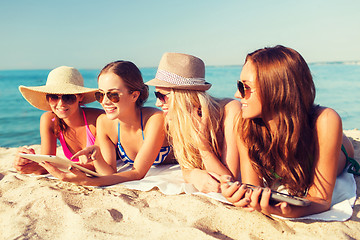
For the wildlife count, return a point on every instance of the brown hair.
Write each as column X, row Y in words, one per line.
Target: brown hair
column 287, row 91
column 131, row 76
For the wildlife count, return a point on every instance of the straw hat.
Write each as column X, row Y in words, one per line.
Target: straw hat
column 61, row 80
column 180, row 71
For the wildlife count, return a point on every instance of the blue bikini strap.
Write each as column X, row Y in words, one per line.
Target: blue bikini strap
column 141, row 122
column 142, row 127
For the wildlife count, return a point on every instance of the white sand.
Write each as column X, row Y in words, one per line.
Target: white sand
column 32, row 208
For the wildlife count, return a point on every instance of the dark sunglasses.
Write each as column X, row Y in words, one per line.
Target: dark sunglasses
column 241, row 88
column 244, row 89
column 161, row 97
column 66, row 98
column 112, row 96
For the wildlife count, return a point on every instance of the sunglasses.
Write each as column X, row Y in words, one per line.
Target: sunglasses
column 66, row 98
column 244, row 89
column 112, row 96
column 162, row 97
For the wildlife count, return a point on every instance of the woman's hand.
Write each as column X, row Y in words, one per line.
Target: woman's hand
column 89, row 154
column 74, row 175
column 234, row 192
column 257, row 199
column 203, row 181
column 26, row 166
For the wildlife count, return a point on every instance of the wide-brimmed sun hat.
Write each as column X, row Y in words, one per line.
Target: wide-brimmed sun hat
column 61, row 80
column 180, row 71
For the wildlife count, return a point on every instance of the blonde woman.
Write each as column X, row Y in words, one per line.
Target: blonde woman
column 127, row 133
column 64, row 119
column 200, row 127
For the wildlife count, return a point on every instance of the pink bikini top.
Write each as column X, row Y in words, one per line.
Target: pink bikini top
column 90, row 140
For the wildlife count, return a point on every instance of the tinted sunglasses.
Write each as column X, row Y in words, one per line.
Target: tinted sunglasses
column 244, row 90
column 241, row 88
column 161, row 97
column 112, row 96
column 66, row 98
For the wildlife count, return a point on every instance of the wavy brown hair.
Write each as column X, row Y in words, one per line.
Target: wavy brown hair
column 287, row 92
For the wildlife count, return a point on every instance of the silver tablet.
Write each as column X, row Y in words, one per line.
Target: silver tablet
column 61, row 163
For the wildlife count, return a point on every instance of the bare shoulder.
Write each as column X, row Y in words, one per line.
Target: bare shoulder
column 231, row 107
column 102, row 119
column 47, row 117
column 107, row 127
column 151, row 113
column 47, row 121
column 327, row 118
column 231, row 104
column 328, row 125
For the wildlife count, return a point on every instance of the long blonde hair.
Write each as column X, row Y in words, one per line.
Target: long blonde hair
column 183, row 126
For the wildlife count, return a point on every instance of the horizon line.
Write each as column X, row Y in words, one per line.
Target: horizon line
column 349, row 62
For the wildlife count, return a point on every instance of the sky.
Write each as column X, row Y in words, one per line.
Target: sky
column 88, row 34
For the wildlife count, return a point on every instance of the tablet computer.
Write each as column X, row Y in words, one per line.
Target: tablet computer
column 61, row 163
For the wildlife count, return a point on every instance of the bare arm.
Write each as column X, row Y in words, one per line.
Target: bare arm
column 154, row 139
column 207, row 180
column 48, row 147
column 103, row 153
column 48, row 138
column 106, row 161
column 329, row 136
column 230, row 153
column 229, row 162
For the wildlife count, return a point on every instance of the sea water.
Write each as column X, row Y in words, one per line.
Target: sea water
column 337, row 86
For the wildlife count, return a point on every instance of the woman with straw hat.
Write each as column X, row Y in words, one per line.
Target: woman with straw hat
column 65, row 120
column 129, row 133
column 200, row 127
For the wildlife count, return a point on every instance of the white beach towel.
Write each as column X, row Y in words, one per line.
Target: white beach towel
column 342, row 201
column 168, row 178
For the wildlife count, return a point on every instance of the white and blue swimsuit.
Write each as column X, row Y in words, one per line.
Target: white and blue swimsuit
column 164, row 151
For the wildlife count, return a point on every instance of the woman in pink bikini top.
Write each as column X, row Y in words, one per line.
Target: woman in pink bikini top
column 74, row 126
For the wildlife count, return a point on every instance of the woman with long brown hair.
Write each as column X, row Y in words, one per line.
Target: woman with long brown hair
column 285, row 139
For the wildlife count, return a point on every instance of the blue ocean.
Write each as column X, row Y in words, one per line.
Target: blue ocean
column 337, row 86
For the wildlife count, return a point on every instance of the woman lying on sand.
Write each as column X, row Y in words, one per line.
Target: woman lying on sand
column 65, row 120
column 199, row 126
column 285, row 139
column 135, row 132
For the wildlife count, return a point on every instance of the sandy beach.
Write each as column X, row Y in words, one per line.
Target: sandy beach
column 43, row 208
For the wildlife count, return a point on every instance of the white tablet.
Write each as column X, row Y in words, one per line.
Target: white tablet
column 61, row 163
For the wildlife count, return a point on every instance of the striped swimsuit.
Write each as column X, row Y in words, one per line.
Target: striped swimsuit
column 164, row 151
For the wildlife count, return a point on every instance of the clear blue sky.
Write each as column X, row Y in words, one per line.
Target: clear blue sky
column 90, row 33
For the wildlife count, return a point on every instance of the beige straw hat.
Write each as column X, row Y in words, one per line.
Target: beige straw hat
column 180, row 71
column 61, row 80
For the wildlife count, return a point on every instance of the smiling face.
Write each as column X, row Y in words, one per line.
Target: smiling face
column 64, row 109
column 251, row 103
column 110, row 82
column 163, row 102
